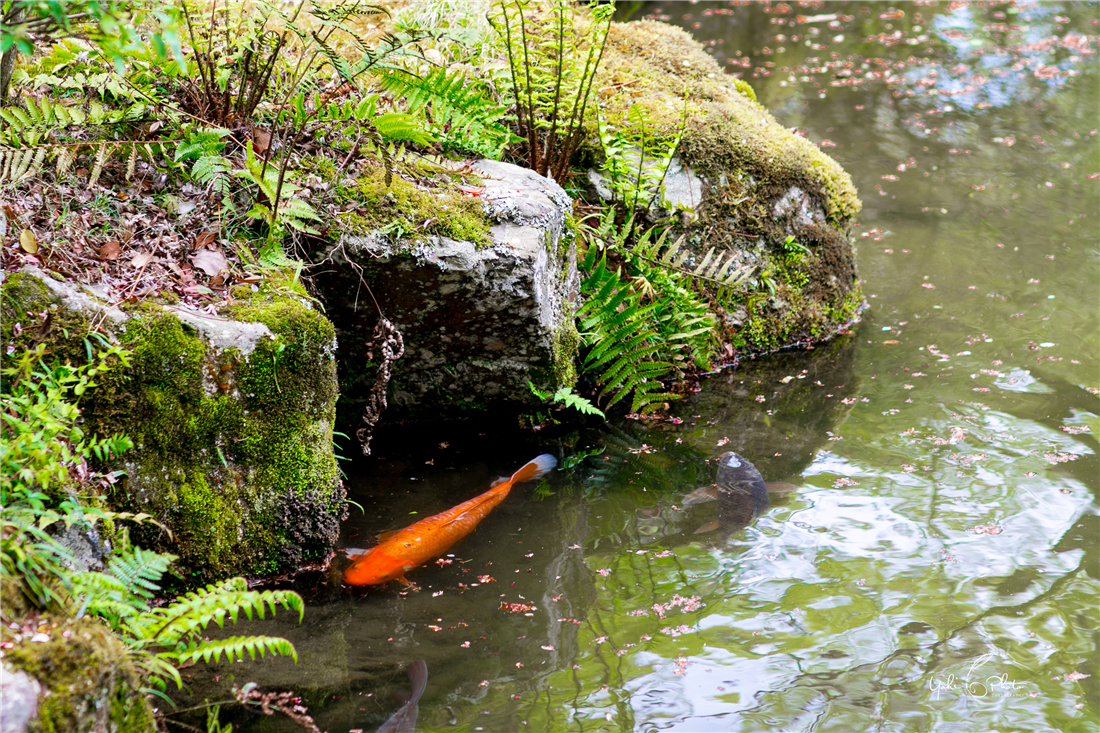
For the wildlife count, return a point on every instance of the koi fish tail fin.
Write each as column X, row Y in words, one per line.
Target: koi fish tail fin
column 418, row 675
column 537, row 468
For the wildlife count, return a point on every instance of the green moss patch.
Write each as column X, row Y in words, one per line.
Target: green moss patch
column 405, row 211
column 86, row 675
column 660, row 67
column 232, row 450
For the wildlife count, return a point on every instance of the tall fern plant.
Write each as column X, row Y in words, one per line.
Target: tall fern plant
column 636, row 157
column 624, row 350
column 642, row 320
column 552, row 57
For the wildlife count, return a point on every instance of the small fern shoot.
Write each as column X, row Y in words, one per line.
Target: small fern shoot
column 717, row 269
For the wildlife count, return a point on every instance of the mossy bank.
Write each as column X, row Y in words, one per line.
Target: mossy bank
column 744, row 184
column 231, row 417
column 88, row 682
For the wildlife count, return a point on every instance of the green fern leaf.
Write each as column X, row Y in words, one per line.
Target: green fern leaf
column 401, row 127
column 234, row 649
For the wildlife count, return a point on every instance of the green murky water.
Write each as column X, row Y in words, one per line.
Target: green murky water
column 937, row 568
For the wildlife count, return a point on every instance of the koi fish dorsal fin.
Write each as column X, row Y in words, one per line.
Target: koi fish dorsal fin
column 498, row 482
column 537, row 468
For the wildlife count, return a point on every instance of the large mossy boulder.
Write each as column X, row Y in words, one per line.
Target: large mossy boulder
column 747, row 186
column 231, row 416
column 480, row 279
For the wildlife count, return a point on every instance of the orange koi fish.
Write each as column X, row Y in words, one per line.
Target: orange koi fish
column 403, row 550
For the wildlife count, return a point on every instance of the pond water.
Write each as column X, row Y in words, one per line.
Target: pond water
column 937, row 567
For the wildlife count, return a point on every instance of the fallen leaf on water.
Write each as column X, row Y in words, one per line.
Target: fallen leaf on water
column 109, row 251
column 210, row 261
column 141, row 259
column 992, row 529
column 28, row 241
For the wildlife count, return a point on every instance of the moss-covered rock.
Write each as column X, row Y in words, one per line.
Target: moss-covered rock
column 231, row 418
column 484, row 306
column 752, row 186
column 86, row 679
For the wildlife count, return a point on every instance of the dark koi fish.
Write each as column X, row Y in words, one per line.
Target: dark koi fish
column 741, row 493
column 404, row 720
column 401, row 551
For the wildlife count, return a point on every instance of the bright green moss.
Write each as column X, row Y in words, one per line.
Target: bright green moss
column 659, row 66
column 567, row 343
column 232, row 450
column 90, row 681
column 406, row 212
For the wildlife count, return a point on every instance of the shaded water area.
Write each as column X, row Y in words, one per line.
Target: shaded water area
column 936, row 568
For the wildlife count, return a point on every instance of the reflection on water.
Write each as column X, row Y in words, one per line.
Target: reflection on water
column 936, row 569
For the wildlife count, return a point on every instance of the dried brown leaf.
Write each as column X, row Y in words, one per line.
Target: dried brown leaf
column 141, row 259
column 109, row 251
column 210, row 261
column 261, row 140
column 206, row 240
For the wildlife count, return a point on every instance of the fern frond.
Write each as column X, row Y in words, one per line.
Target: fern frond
column 401, row 127
column 17, row 164
column 234, row 649
column 623, row 346
column 156, row 669
column 213, row 171
column 338, row 62
column 193, row 611
column 461, row 110
column 105, row 595
column 97, row 167
column 716, row 269
column 140, row 570
column 295, row 213
column 65, row 159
